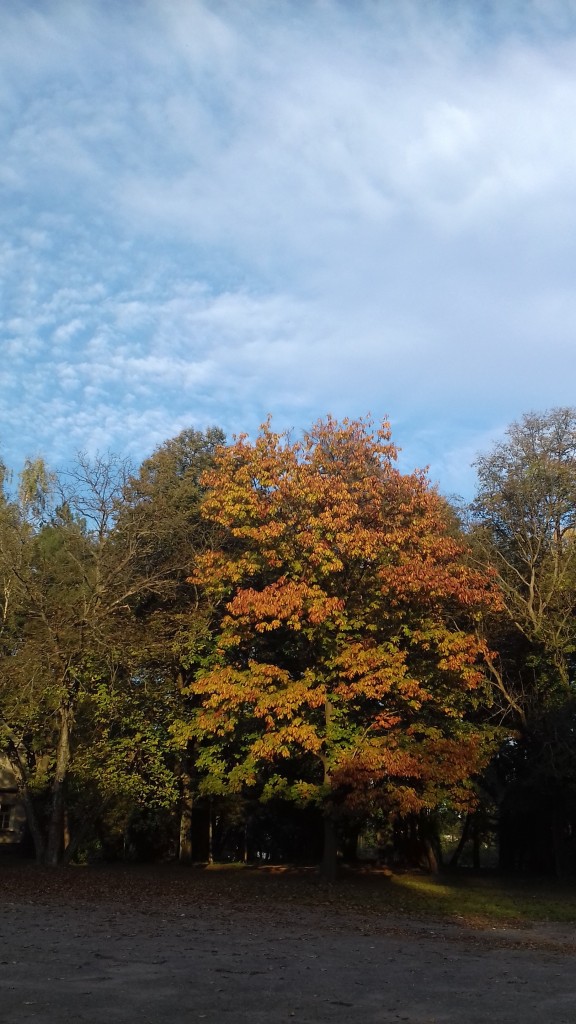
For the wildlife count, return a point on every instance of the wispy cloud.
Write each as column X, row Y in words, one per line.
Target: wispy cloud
column 217, row 210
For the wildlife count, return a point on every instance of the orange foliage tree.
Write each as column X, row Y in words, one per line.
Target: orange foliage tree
column 347, row 659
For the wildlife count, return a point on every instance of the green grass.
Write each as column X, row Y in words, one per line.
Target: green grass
column 484, row 899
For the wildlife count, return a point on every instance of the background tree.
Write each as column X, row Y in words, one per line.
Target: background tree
column 172, row 629
column 524, row 520
column 347, row 659
column 76, row 576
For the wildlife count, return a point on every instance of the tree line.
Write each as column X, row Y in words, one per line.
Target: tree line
column 267, row 648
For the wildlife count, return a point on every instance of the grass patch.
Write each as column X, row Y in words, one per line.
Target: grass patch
column 488, row 900
column 485, row 900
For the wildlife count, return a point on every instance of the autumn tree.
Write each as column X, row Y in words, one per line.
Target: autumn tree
column 347, row 659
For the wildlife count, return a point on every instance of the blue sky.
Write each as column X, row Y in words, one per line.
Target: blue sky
column 215, row 210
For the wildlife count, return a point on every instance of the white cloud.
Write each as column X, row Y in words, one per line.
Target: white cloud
column 220, row 210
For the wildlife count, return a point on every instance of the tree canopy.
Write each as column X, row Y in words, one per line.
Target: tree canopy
column 347, row 658
column 243, row 647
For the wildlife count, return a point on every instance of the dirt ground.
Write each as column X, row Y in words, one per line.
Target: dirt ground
column 119, row 946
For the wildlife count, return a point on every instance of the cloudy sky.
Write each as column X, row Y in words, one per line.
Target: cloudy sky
column 214, row 209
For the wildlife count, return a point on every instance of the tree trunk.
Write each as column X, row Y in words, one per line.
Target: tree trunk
column 476, row 843
column 33, row 825
column 210, row 833
column 56, row 825
column 71, row 843
column 246, row 851
column 454, row 859
column 431, row 860
column 31, row 817
column 349, row 845
column 186, row 807
column 429, row 838
column 328, row 867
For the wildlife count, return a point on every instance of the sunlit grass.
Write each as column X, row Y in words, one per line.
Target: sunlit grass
column 485, row 899
column 463, row 897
